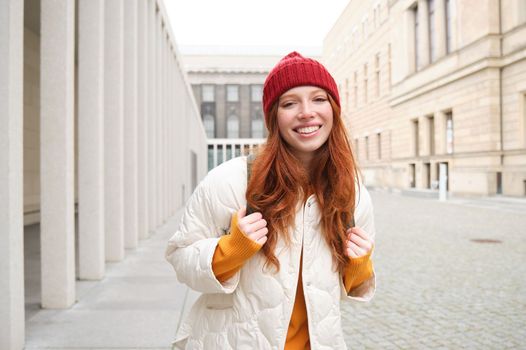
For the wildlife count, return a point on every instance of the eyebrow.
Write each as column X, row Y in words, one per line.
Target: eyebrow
column 314, row 92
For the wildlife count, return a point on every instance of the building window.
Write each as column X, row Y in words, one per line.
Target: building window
column 209, row 124
column 431, row 121
column 389, row 64
column 367, row 147
column 210, row 157
column 375, row 16
column 256, row 93
column 219, row 154
column 416, row 38
column 208, row 93
column 232, row 93
column 364, row 28
column 232, row 126
column 412, row 175
column 499, row 182
column 432, row 39
column 365, row 83
column 379, row 145
column 355, row 89
column 449, row 132
column 257, row 126
column 416, row 138
column 427, row 175
column 377, row 74
column 448, row 26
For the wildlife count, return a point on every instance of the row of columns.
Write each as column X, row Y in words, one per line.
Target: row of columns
column 132, row 122
column 115, row 121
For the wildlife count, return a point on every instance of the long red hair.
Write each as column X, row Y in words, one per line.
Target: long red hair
column 279, row 181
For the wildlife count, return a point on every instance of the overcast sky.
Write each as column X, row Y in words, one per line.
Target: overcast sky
column 285, row 24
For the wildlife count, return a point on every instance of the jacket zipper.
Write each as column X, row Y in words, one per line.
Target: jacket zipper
column 296, row 289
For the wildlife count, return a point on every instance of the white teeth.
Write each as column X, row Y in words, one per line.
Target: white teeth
column 308, row 129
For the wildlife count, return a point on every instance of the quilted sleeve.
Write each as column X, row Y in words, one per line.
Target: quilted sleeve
column 206, row 218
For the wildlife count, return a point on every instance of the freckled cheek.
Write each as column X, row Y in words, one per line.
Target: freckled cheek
column 284, row 123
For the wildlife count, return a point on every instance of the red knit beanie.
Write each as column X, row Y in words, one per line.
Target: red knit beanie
column 295, row 70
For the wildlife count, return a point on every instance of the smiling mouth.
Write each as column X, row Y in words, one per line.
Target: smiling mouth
column 307, row 130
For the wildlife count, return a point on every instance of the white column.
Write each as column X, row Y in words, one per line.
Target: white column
column 142, row 121
column 11, row 175
column 169, row 120
column 169, row 135
column 175, row 97
column 91, row 139
column 131, row 234
column 440, row 27
column 158, row 120
column 152, row 116
column 57, row 226
column 113, row 133
column 164, row 97
column 423, row 33
column 180, row 110
column 167, row 132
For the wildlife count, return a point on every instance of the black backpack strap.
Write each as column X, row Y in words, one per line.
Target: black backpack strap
column 352, row 223
column 250, row 161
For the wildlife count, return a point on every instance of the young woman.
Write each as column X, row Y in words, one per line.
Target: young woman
column 274, row 279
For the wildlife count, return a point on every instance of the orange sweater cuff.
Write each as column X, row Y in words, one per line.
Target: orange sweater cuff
column 232, row 251
column 357, row 271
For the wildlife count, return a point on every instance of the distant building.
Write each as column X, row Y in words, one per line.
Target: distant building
column 228, row 89
column 435, row 84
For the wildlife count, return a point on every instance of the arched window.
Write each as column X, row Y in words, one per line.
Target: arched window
column 210, row 125
column 232, row 127
column 257, row 125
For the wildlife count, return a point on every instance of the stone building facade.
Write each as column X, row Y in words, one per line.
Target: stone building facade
column 100, row 143
column 431, row 84
column 228, row 89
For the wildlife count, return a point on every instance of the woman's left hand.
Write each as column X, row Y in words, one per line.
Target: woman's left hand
column 358, row 243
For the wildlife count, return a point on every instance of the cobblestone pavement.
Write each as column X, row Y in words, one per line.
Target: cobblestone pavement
column 438, row 289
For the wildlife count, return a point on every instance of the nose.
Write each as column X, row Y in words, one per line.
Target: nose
column 306, row 111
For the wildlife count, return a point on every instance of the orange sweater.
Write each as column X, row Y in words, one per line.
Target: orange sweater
column 236, row 248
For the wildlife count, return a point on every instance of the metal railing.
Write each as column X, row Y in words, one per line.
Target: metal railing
column 221, row 150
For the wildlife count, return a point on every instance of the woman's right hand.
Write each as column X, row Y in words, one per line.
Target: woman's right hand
column 253, row 226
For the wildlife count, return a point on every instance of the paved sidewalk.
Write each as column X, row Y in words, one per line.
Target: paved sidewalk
column 136, row 306
column 436, row 287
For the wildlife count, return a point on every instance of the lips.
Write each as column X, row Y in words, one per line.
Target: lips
column 307, row 129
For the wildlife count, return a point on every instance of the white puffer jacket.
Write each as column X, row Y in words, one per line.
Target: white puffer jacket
column 252, row 310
